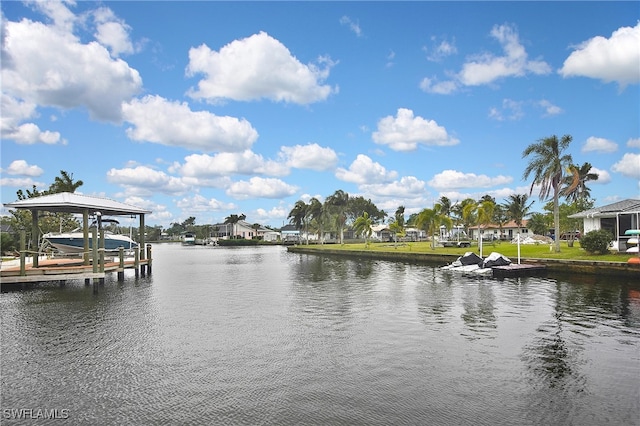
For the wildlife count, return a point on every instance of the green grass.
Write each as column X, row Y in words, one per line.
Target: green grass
column 540, row 251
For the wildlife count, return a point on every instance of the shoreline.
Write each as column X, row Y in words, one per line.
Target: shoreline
column 589, row 267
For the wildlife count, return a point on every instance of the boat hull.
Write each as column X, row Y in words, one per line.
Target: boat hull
column 75, row 244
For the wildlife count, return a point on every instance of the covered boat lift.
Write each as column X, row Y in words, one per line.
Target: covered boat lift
column 68, row 202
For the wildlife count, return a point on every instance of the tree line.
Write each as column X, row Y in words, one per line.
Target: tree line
column 553, row 172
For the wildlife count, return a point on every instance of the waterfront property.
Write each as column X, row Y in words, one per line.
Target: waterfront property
column 616, row 218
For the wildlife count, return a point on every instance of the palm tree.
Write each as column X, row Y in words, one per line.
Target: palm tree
column 316, row 213
column 576, row 183
column 399, row 216
column 338, row 203
column 431, row 219
column 362, row 225
column 298, row 216
column 445, row 204
column 485, row 211
column 547, row 165
column 517, row 208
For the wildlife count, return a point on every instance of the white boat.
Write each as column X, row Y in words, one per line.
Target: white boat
column 189, row 239
column 73, row 242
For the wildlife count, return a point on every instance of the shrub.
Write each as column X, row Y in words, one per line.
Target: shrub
column 596, row 241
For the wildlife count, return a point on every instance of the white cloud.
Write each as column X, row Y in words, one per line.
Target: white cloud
column 452, row 179
column 603, row 176
column 311, row 156
column 276, row 212
column 145, row 179
column 407, row 187
column 14, row 112
column 549, row 108
column 594, row 144
column 438, row 87
column 364, row 171
column 22, row 168
column 26, row 182
column 257, row 67
column 158, row 120
column 258, row 187
column 353, row 26
column 613, row 59
column 48, row 65
column 112, row 32
column 633, row 143
column 404, row 132
column 486, row 68
column 628, row 166
column 199, row 203
column 228, row 163
column 440, row 49
column 511, row 110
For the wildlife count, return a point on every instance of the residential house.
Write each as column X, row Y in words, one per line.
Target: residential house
column 492, row 231
column 242, row 229
column 381, row 233
column 290, row 234
column 616, row 218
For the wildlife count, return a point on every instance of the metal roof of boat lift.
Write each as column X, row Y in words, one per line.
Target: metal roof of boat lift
column 68, row 202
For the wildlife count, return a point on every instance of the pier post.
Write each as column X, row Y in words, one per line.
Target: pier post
column 23, row 253
column 121, row 264
column 136, row 262
column 101, row 251
column 149, row 258
column 94, row 256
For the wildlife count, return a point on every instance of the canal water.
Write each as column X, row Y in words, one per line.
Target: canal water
column 260, row 336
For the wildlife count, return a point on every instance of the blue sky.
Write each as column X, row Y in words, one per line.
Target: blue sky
column 208, row 109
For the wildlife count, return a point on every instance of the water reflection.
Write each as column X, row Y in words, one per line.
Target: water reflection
column 261, row 336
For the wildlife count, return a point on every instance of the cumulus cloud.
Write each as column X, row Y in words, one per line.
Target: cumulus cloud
column 633, row 143
column 112, row 32
column 603, row 176
column 158, row 120
column 594, row 144
column 405, row 131
column 438, row 87
column 363, row 170
column 311, row 156
column 258, row 187
column 48, row 65
column 486, row 68
column 145, row 178
column 613, row 59
column 257, row 67
column 628, row 166
column 15, row 112
column 407, row 187
column 22, row 168
column 452, row 179
column 199, row 203
column 230, row 163
column 549, row 108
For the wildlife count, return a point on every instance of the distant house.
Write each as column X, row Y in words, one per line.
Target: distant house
column 381, row 233
column 616, row 218
column 242, row 229
column 290, row 234
column 494, row 232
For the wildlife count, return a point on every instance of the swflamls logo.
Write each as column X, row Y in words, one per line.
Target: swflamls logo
column 35, row 413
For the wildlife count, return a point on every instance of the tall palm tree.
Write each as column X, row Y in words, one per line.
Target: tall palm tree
column 338, row 202
column 517, row 208
column 547, row 164
column 298, row 216
column 399, row 216
column 362, row 225
column 316, row 213
column 431, row 219
column 576, row 183
column 445, row 204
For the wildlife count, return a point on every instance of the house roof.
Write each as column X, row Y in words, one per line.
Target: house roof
column 610, row 210
column 68, row 202
column 508, row 225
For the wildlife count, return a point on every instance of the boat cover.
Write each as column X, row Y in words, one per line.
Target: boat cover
column 470, row 258
column 496, row 259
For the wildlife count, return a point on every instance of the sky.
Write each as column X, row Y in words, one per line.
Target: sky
column 206, row 109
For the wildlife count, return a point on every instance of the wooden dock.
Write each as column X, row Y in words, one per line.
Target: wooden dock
column 63, row 269
column 518, row 270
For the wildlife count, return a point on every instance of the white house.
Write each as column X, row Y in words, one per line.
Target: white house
column 616, row 218
column 493, row 231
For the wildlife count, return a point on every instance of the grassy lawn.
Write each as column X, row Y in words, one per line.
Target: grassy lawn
column 506, row 248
